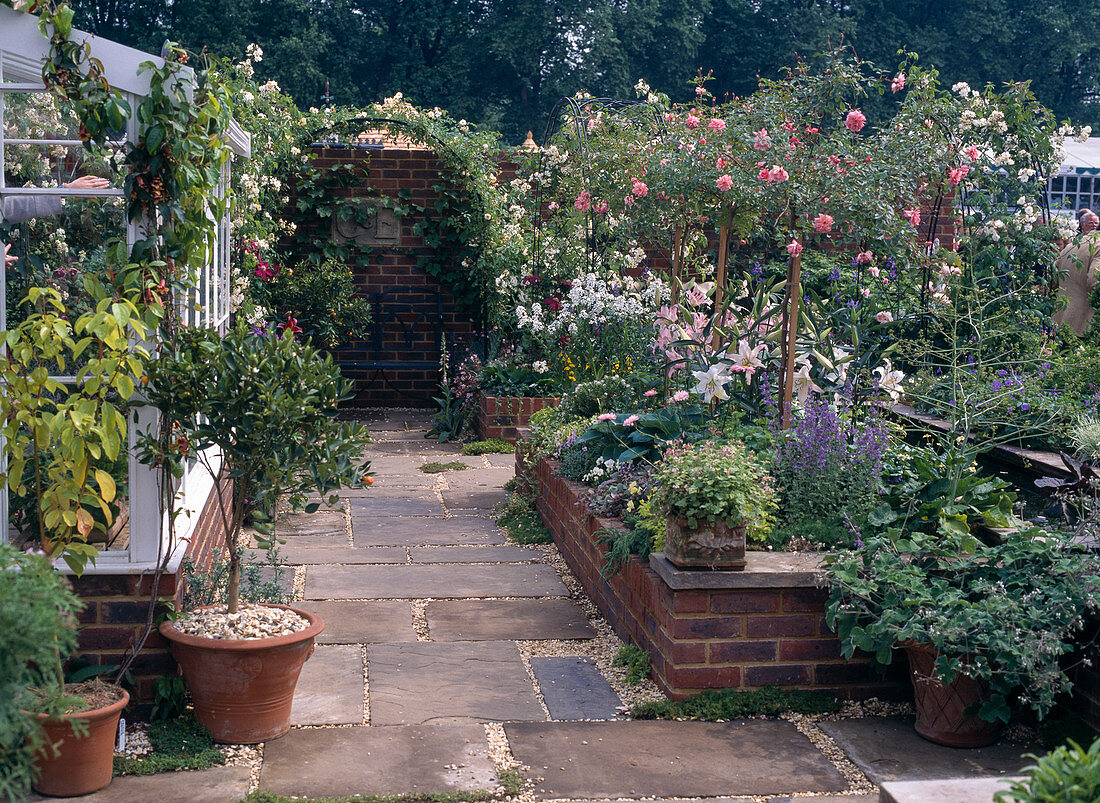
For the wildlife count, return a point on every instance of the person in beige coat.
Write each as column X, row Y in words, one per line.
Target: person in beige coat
column 1077, row 265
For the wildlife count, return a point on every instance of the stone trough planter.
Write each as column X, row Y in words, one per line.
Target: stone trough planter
column 705, row 629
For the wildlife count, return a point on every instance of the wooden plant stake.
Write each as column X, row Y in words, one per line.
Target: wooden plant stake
column 720, row 275
column 790, row 334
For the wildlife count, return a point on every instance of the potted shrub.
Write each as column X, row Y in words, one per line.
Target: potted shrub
column 268, row 404
column 983, row 625
column 713, row 494
column 59, row 737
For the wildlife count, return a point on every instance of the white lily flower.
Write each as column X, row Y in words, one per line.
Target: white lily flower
column 889, row 380
column 747, row 360
column 711, row 383
column 803, row 383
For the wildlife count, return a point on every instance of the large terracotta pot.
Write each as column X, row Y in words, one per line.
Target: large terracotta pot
column 82, row 764
column 715, row 545
column 242, row 689
column 940, row 705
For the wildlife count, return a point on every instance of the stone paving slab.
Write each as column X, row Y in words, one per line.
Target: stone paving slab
column 888, row 749
column 323, row 522
column 573, row 688
column 457, row 530
column 957, row 790
column 432, row 582
column 373, row 507
column 425, row 682
column 671, row 759
column 474, row 499
column 378, row 761
column 330, row 688
column 502, row 460
column 474, row 554
column 507, row 619
column 357, row 622
column 215, row 785
column 296, row 555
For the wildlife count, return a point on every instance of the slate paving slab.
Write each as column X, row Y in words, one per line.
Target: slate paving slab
column 474, row 499
column 295, row 555
column 215, row 785
column 358, row 622
column 475, row 554
column 888, row 749
column 330, row 688
column 671, row 759
column 956, row 790
column 515, row 619
column 432, row 582
column 378, row 761
column 573, row 688
column 426, row 682
column 323, row 522
column 389, row 531
column 372, row 507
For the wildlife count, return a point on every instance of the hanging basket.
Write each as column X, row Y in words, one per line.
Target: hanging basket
column 940, row 706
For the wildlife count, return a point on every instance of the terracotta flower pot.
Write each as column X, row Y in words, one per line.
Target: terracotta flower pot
column 716, row 545
column 243, row 689
column 82, row 764
column 940, row 706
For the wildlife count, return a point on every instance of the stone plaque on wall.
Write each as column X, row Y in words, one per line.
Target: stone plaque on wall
column 381, row 226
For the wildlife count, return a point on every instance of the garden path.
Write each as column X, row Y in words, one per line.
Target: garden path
column 450, row 656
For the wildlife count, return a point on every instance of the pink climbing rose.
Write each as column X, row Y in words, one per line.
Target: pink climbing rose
column 777, row 174
column 912, row 215
column 855, row 120
column 692, row 121
column 957, row 174
column 794, row 248
column 823, row 223
column 584, row 201
column 639, row 189
column 716, row 125
column 601, row 207
column 898, row 83
column 724, row 183
column 763, row 141
column 864, row 257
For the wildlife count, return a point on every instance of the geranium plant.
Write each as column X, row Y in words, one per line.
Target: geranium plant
column 715, row 482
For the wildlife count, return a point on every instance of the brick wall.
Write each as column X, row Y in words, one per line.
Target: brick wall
column 501, row 416
column 768, row 630
column 117, row 606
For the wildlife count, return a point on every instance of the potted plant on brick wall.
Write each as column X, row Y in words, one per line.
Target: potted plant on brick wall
column 713, row 494
column 59, row 737
column 267, row 403
column 985, row 624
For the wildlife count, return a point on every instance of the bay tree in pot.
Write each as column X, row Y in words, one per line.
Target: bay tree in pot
column 715, row 495
column 268, row 404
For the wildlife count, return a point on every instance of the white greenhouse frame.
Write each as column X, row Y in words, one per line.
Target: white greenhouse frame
column 23, row 50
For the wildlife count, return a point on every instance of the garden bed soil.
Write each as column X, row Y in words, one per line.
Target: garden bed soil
column 503, row 416
column 712, row 629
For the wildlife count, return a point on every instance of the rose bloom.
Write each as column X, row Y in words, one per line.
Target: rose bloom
column 552, row 206
column 601, row 207
column 874, row 271
column 884, row 317
column 716, row 125
column 865, row 258
column 865, row 292
column 794, row 248
column 628, row 200
column 700, row 91
column 692, row 121
column 777, row 174
column 763, row 141
column 898, row 83
column 855, row 120
column 957, row 174
column 972, row 153
column 823, row 223
column 912, row 215
column 639, row 189
column 724, row 183
column 763, row 175
column 583, row 202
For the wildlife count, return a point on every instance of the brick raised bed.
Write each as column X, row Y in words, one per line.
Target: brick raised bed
column 706, row 630
column 502, row 416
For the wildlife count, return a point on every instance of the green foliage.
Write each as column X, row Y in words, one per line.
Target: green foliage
column 269, row 404
column 38, row 612
column 1086, row 437
column 169, row 698
column 454, row 415
column 634, row 660
column 435, row 467
column 261, row 580
column 60, row 438
column 491, row 446
column 1069, row 774
column 178, row 744
column 320, row 298
column 608, row 395
column 522, row 522
column 712, row 482
column 621, row 544
column 725, row 705
column 1004, row 614
column 643, row 436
